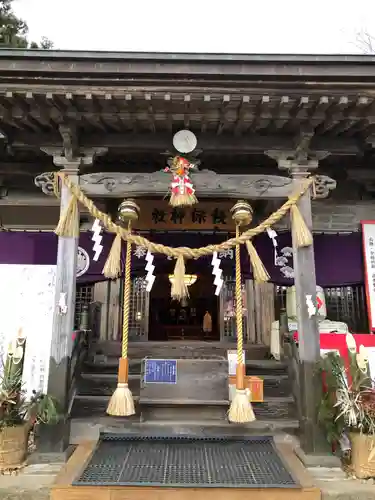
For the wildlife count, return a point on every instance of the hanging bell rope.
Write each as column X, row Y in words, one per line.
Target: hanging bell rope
column 186, row 252
column 240, row 410
column 121, row 403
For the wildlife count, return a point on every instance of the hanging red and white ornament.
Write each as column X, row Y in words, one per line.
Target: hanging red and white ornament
column 182, row 189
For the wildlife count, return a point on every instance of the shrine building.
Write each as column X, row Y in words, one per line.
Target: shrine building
column 255, row 128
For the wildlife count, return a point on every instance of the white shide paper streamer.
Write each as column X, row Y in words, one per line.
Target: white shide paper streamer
column 97, row 239
column 217, row 272
column 150, row 268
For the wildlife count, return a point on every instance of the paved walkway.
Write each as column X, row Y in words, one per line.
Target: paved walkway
column 32, row 483
column 335, row 485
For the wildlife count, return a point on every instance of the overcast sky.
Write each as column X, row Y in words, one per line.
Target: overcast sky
column 247, row 26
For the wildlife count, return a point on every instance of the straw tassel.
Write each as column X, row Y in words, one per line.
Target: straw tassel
column 179, row 288
column 68, row 225
column 241, row 410
column 112, row 267
column 259, row 271
column 300, row 230
column 121, row 403
column 183, row 199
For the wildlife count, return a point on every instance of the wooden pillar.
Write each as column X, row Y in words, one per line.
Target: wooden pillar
column 63, row 324
column 312, row 440
column 53, row 440
column 309, row 342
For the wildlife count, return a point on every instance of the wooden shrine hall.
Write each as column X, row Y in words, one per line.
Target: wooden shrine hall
column 257, row 127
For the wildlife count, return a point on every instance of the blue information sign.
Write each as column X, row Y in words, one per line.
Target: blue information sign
column 160, row 371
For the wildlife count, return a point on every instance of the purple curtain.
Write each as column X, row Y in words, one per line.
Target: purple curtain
column 338, row 258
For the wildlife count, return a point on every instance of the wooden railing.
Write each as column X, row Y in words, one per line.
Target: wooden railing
column 77, row 358
column 292, row 356
column 82, row 338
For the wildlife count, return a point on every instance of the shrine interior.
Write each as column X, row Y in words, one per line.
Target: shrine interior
column 174, row 320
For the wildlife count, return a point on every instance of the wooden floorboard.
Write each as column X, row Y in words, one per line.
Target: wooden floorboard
column 63, row 489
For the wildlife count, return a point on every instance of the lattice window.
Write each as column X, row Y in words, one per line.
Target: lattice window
column 139, row 302
column 84, row 296
column 346, row 304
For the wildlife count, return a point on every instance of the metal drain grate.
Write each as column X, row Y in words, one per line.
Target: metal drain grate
column 186, row 462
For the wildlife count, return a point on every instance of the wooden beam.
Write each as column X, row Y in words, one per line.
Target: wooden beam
column 302, row 142
column 241, row 113
column 281, row 112
column 223, row 117
column 160, row 142
column 355, row 71
column 20, row 199
column 70, row 140
column 23, row 168
column 208, row 185
column 187, row 110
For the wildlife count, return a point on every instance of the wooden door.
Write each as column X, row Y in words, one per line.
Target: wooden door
column 260, row 311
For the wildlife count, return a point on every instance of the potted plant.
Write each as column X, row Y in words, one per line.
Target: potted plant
column 347, row 407
column 18, row 417
column 18, row 414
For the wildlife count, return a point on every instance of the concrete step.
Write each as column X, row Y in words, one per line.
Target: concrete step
column 103, row 384
column 271, row 409
column 88, row 429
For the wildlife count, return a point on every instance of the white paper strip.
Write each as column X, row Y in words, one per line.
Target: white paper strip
column 217, row 272
column 150, row 268
column 311, row 309
column 97, row 238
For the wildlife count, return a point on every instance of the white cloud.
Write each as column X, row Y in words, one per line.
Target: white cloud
column 268, row 26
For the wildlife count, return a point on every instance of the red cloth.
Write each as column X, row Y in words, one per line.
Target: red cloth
column 337, row 341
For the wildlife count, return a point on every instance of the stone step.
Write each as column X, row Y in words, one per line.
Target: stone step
column 266, row 367
column 88, row 429
column 213, row 411
column 96, row 384
column 85, row 407
column 176, row 349
column 271, row 409
column 253, row 367
column 99, row 384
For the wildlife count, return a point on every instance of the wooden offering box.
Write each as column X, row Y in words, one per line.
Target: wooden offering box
column 254, row 384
